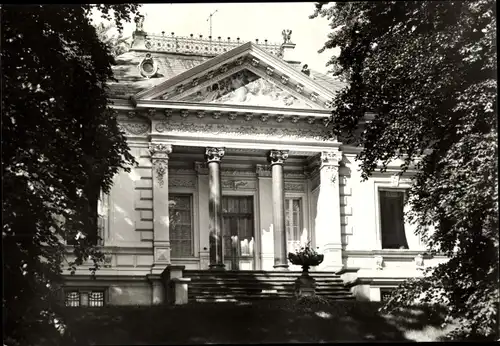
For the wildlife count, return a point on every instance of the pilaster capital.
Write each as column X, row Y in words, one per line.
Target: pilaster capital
column 331, row 158
column 278, row 157
column 201, row 168
column 214, row 154
column 159, row 150
column 263, row 170
column 159, row 157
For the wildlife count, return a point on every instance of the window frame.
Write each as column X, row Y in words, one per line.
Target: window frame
column 192, row 213
column 378, row 211
column 302, row 220
column 88, row 290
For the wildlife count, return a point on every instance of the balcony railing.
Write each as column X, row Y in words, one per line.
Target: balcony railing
column 202, row 46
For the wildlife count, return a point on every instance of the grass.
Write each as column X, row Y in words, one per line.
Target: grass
column 286, row 321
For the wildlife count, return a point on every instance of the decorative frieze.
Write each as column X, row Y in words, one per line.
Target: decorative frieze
column 419, row 262
column 294, row 187
column 201, row 167
column 234, row 184
column 395, row 180
column 214, row 154
column 278, row 157
column 135, row 128
column 379, row 262
column 245, row 131
column 181, row 182
column 159, row 158
column 263, row 170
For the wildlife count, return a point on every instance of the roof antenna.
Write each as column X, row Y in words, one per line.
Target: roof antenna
column 210, row 19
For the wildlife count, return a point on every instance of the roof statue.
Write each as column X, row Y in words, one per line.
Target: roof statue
column 287, row 33
column 139, row 22
column 306, row 70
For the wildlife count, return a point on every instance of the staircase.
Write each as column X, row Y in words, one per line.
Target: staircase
column 246, row 285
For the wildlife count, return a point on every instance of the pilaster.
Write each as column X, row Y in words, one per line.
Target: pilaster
column 161, row 237
column 328, row 220
column 266, row 218
column 201, row 169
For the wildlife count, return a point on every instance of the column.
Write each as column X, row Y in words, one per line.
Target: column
column 161, row 236
column 328, row 229
column 277, row 159
column 213, row 157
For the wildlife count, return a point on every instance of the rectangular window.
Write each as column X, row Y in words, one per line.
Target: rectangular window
column 392, row 219
column 385, row 293
column 181, row 225
column 84, row 298
column 293, row 222
column 73, row 298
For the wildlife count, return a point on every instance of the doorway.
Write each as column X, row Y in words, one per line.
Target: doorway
column 238, row 231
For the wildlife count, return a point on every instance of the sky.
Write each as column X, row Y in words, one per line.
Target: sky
column 249, row 21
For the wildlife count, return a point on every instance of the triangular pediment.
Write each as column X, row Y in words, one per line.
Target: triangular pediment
column 246, row 75
column 246, row 88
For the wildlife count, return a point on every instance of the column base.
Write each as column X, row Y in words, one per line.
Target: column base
column 281, row 267
column 217, row 266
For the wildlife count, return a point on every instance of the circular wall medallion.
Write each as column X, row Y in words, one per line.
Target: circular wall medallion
column 148, row 67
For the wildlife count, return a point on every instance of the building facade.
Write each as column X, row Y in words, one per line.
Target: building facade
column 235, row 170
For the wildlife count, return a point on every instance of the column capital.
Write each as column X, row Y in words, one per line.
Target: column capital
column 214, row 154
column 263, row 170
column 159, row 158
column 278, row 157
column 331, row 157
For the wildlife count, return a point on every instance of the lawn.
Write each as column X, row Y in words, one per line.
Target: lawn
column 260, row 322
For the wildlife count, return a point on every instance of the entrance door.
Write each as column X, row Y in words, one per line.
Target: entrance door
column 238, row 230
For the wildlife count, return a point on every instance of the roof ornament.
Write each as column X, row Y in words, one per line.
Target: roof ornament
column 287, row 33
column 139, row 22
column 148, row 67
column 306, row 70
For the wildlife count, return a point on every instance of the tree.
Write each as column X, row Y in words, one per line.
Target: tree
column 61, row 146
column 426, row 70
column 116, row 42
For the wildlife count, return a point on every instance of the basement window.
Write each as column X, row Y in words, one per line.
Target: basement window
column 77, row 298
column 385, row 294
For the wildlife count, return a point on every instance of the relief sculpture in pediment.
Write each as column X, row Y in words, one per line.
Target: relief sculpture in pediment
column 246, row 88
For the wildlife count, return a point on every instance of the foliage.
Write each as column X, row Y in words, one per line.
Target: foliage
column 116, row 42
column 61, row 146
column 426, row 70
column 305, row 256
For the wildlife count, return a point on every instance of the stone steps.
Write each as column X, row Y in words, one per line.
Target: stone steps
column 212, row 286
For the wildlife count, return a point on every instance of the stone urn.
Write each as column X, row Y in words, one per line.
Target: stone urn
column 306, row 257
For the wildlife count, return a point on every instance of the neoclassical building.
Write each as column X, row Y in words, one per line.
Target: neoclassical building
column 235, row 169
